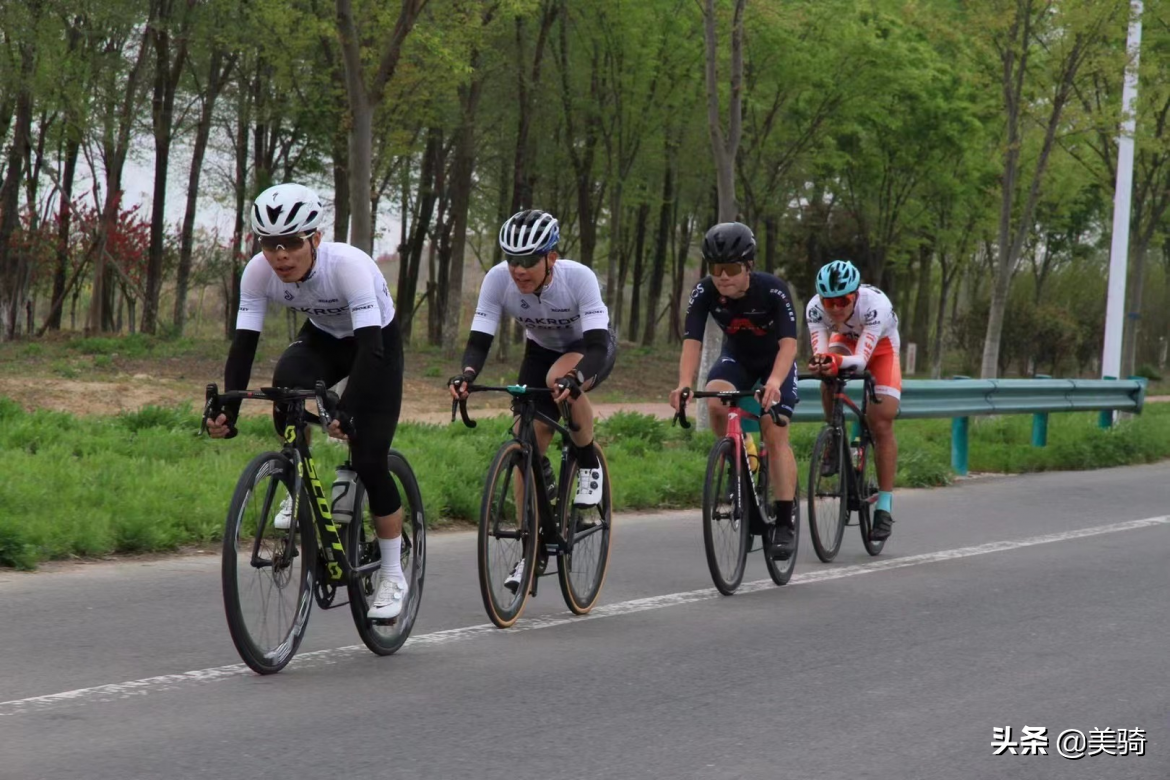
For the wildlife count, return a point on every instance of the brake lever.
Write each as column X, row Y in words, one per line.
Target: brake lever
column 211, row 407
column 680, row 416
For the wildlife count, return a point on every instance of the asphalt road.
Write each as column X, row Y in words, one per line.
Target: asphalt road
column 1036, row 601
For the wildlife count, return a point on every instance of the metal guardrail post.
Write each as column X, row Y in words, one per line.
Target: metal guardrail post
column 1105, row 419
column 1040, row 422
column 960, row 428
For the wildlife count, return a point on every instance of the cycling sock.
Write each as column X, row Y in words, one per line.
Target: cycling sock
column 885, row 501
column 587, row 457
column 391, row 557
column 783, row 509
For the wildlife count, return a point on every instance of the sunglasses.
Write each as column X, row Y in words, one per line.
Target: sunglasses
column 840, row 302
column 287, row 243
column 524, row 261
column 730, row 269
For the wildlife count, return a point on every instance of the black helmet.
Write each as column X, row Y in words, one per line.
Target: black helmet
column 729, row 242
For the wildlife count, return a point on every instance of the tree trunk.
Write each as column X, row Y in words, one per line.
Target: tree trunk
column 100, row 315
column 14, row 260
column 232, row 304
column 217, row 75
column 639, row 258
column 363, row 99
column 166, row 84
column 658, row 269
column 771, row 240
column 409, row 264
column 921, row 331
column 64, row 223
column 463, row 169
column 680, row 269
column 724, row 149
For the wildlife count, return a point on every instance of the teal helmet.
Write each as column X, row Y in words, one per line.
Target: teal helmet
column 838, row 278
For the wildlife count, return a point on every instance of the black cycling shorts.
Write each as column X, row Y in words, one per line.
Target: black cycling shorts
column 744, row 375
column 538, row 361
column 318, row 355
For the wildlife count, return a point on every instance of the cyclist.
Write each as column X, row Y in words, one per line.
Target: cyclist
column 569, row 346
column 853, row 326
column 351, row 331
column 754, row 310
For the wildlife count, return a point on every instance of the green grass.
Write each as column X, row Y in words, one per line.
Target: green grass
column 143, row 481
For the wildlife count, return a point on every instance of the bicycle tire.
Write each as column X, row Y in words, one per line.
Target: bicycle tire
column 361, row 547
column 867, row 488
column 725, row 525
column 575, row 520
column 290, row 562
column 499, row 514
column 826, row 522
column 781, row 571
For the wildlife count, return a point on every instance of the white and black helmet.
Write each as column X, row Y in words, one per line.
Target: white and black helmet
column 286, row 210
column 530, row 232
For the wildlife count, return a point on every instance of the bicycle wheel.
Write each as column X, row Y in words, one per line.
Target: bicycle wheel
column 867, row 490
column 726, row 534
column 586, row 531
column 507, row 536
column 266, row 572
column 781, row 571
column 361, row 548
column 828, row 508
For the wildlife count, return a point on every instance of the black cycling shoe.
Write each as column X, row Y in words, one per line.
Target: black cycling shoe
column 783, row 539
column 883, row 525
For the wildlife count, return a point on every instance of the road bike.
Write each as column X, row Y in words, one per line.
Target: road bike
column 842, row 477
column 524, row 521
column 272, row 576
column 737, row 496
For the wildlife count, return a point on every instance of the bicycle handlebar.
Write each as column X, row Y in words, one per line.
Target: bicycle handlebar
column 515, row 391
column 327, row 402
column 726, row 396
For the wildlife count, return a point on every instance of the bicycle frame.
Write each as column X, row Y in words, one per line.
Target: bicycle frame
column 735, row 432
column 296, row 449
column 524, row 433
column 865, row 437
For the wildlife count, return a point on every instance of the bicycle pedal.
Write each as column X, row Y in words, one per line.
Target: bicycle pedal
column 383, row 621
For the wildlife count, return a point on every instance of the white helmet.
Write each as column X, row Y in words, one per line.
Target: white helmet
column 285, row 210
column 530, row 232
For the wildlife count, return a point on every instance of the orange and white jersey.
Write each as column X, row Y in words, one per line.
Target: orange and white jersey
column 872, row 328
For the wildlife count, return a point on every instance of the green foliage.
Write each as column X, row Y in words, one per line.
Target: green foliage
column 143, row 481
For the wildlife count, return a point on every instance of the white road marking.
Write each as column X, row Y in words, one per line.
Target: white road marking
column 168, row 682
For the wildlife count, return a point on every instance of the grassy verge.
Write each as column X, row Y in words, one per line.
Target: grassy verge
column 136, row 482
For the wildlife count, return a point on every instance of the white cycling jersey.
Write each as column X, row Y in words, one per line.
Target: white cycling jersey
column 345, row 291
column 555, row 319
column 873, row 326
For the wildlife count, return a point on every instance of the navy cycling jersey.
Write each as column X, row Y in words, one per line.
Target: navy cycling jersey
column 753, row 324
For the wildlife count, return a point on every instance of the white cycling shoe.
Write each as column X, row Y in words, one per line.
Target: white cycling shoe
column 589, row 487
column 283, row 519
column 389, row 600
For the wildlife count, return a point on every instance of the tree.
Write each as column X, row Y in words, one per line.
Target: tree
column 724, row 146
column 1041, row 48
column 364, row 96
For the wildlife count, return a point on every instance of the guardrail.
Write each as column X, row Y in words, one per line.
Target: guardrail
column 962, row 398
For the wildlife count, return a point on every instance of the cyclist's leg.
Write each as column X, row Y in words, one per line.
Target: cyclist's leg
column 842, row 345
column 375, row 418
column 314, row 355
column 534, row 370
column 581, row 408
column 887, row 375
column 728, row 373
column 781, row 460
